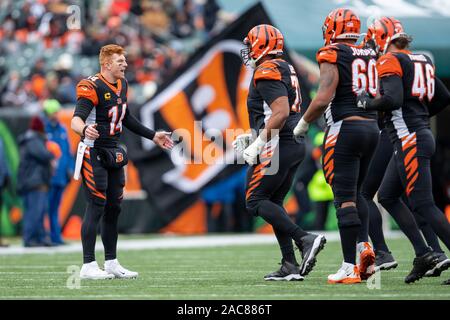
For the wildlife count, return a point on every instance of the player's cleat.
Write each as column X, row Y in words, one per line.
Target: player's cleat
column 310, row 247
column 420, row 266
column 442, row 265
column 446, row 282
column 366, row 260
column 113, row 267
column 91, row 271
column 287, row 272
column 347, row 274
column 384, row 261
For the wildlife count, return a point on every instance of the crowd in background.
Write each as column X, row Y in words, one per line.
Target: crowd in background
column 46, row 46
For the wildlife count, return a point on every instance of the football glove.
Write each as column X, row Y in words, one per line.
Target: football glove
column 363, row 100
column 301, row 128
column 252, row 151
column 241, row 142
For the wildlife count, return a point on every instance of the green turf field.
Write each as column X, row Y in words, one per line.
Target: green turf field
column 207, row 273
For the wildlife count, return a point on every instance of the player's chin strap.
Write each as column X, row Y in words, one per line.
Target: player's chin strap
column 79, row 162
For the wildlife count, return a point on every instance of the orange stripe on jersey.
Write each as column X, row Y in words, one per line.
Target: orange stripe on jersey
column 389, row 65
column 327, row 54
column 86, row 89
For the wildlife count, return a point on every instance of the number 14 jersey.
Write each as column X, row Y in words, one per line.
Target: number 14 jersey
column 357, row 73
column 106, row 105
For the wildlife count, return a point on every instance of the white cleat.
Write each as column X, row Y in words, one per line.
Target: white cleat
column 114, row 268
column 347, row 274
column 91, row 271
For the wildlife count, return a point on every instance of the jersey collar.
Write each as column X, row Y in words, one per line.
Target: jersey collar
column 117, row 89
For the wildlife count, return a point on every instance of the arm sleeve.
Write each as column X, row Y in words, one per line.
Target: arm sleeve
column 441, row 98
column 83, row 108
column 86, row 99
column 133, row 124
column 392, row 97
column 271, row 90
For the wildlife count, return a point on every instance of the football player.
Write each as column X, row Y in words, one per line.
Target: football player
column 383, row 153
column 100, row 113
column 273, row 105
column 408, row 87
column 351, row 135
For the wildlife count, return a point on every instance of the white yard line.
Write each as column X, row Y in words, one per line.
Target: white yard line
column 173, row 242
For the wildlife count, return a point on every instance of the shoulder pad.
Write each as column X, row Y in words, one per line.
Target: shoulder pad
column 389, row 65
column 327, row 54
column 86, row 89
column 268, row 70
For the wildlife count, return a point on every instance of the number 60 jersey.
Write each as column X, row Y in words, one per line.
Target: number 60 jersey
column 357, row 73
column 104, row 103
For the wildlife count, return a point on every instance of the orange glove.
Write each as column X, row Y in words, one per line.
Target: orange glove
column 54, row 148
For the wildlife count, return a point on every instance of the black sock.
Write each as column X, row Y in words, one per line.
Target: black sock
column 376, row 227
column 348, row 232
column 428, row 233
column 276, row 216
column 109, row 230
column 286, row 247
column 91, row 219
column 437, row 221
column 363, row 213
column 405, row 220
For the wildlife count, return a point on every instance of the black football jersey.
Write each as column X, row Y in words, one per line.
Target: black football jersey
column 357, row 72
column 271, row 80
column 417, row 74
column 110, row 104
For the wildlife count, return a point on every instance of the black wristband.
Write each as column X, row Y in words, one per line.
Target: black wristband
column 84, row 130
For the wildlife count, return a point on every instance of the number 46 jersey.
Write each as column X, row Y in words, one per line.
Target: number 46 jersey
column 417, row 74
column 357, row 73
column 105, row 104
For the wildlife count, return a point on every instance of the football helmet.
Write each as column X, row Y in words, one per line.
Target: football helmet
column 341, row 24
column 261, row 41
column 382, row 32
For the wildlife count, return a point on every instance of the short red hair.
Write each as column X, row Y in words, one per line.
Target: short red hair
column 106, row 52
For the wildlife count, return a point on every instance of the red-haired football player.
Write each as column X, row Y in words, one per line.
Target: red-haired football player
column 100, row 113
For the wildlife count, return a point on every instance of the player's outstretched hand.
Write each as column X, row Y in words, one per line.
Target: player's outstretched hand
column 162, row 139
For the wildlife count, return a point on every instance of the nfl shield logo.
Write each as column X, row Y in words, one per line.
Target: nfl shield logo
column 119, row 101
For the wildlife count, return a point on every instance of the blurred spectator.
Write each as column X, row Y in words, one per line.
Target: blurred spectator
column 158, row 34
column 33, row 182
column 4, row 181
column 210, row 12
column 61, row 176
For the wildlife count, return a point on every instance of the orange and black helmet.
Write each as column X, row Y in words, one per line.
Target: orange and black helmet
column 262, row 40
column 341, row 24
column 382, row 32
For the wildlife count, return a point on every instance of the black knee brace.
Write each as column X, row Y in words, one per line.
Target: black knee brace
column 348, row 217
